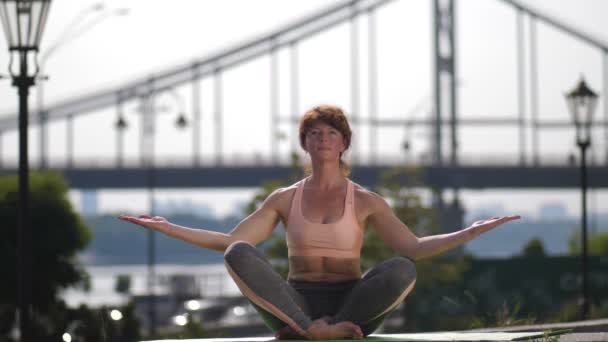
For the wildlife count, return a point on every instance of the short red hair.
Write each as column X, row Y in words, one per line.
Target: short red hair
column 332, row 116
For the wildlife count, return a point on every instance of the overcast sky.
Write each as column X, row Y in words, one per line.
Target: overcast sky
column 158, row 34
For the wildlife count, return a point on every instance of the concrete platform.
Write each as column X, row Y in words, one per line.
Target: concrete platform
column 431, row 336
column 584, row 331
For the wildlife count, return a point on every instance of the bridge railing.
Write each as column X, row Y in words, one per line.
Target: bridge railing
column 255, row 160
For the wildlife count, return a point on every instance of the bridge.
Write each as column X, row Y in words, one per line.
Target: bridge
column 253, row 173
column 439, row 155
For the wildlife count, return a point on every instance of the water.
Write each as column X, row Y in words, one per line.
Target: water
column 213, row 280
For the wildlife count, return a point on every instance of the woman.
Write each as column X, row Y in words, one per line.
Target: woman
column 325, row 214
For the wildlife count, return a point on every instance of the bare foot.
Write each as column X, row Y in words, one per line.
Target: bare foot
column 320, row 330
column 287, row 333
column 327, row 319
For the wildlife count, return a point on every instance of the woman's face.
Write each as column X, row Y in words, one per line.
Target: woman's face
column 324, row 142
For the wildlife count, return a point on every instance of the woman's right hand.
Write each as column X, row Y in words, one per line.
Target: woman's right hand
column 155, row 223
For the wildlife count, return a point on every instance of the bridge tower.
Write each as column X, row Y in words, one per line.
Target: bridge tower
column 445, row 103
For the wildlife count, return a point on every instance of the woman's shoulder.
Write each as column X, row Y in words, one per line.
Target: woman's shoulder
column 366, row 197
column 283, row 194
column 367, row 202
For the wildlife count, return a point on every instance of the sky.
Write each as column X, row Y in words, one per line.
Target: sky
column 158, row 34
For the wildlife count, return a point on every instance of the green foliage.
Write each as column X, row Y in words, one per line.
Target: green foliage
column 570, row 311
column 123, row 284
column 504, row 317
column 534, row 248
column 58, row 233
column 96, row 325
column 597, row 243
column 550, row 338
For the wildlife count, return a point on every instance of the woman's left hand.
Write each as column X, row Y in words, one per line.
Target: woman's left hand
column 482, row 226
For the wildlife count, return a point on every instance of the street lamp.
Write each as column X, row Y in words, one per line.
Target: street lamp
column 149, row 111
column 23, row 22
column 181, row 122
column 581, row 104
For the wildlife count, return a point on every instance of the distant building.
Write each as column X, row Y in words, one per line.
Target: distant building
column 183, row 207
column 484, row 212
column 553, row 211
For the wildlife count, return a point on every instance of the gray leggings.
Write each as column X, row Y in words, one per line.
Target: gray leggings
column 365, row 302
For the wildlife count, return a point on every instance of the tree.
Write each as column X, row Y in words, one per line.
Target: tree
column 122, row 284
column 97, row 325
column 534, row 248
column 597, row 243
column 58, row 233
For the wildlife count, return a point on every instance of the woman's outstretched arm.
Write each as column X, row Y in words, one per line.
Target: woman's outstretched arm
column 437, row 244
column 254, row 229
column 400, row 238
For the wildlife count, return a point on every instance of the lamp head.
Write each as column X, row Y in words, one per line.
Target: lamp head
column 581, row 104
column 181, row 121
column 23, row 22
column 121, row 124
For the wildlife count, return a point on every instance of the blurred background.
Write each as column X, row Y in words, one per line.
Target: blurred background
column 190, row 111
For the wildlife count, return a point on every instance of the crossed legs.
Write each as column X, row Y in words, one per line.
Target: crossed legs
column 287, row 312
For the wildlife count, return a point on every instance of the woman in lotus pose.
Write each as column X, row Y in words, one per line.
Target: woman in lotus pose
column 325, row 215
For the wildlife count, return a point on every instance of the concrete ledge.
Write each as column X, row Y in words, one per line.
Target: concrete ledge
column 583, row 331
column 584, row 337
column 597, row 325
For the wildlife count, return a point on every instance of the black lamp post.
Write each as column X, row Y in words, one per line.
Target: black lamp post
column 121, row 124
column 581, row 103
column 23, row 22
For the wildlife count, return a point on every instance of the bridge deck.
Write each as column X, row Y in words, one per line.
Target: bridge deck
column 464, row 177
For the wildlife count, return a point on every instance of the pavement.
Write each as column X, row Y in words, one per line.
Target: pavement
column 584, row 331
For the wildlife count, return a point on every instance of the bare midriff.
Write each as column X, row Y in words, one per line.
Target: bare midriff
column 323, row 269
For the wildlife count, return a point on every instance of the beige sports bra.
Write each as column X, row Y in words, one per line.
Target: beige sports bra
column 341, row 239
